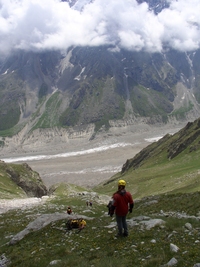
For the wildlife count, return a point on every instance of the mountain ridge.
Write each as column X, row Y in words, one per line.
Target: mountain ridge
column 186, row 138
column 95, row 87
column 170, row 165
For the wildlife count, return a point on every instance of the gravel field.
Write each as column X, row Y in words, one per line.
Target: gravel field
column 89, row 163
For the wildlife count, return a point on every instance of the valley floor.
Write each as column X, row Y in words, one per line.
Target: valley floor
column 90, row 163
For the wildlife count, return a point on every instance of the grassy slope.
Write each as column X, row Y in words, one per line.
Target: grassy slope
column 177, row 178
column 169, row 165
column 12, row 175
column 8, row 188
column 96, row 244
column 181, row 174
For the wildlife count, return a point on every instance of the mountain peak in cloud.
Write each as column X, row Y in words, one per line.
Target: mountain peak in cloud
column 52, row 24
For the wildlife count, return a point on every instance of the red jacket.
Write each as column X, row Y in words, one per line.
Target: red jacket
column 121, row 202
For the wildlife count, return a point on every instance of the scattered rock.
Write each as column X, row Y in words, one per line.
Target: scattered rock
column 188, row 226
column 4, row 262
column 174, row 248
column 21, row 203
column 172, row 262
column 55, row 262
column 152, row 223
column 41, row 222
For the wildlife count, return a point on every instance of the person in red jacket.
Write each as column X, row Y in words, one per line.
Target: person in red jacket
column 69, row 210
column 122, row 204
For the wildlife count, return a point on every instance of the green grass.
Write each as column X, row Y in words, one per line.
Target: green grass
column 13, row 177
column 149, row 103
column 12, row 131
column 182, row 111
column 96, row 244
column 156, row 181
column 159, row 177
column 9, row 189
column 152, row 171
column 94, row 103
column 50, row 116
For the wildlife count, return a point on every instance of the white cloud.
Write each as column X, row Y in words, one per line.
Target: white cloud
column 52, row 24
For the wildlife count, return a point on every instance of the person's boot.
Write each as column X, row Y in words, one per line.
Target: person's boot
column 119, row 235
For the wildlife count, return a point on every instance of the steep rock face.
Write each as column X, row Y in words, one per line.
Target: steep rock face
column 24, row 177
column 155, row 5
column 94, row 85
column 93, row 88
column 187, row 137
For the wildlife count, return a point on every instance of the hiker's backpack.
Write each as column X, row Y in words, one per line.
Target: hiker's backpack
column 75, row 224
column 109, row 206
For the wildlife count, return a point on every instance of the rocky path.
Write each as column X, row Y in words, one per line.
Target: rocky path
column 24, row 203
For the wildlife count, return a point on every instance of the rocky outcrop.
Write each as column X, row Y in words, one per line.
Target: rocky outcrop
column 23, row 176
column 185, row 139
column 41, row 222
column 29, row 181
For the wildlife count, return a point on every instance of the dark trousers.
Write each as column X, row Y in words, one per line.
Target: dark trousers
column 122, row 225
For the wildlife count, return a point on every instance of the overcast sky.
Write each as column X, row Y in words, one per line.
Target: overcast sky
column 51, row 24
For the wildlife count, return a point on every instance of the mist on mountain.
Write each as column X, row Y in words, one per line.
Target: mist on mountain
column 56, row 25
